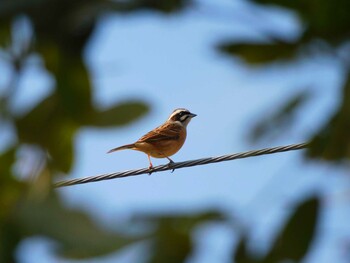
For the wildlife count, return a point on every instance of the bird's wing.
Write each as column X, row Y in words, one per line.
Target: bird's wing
column 167, row 131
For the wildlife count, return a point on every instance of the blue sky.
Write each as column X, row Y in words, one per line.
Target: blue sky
column 170, row 62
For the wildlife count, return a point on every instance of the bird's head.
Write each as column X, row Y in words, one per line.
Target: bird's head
column 181, row 115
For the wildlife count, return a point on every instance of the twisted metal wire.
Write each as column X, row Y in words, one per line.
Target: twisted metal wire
column 184, row 164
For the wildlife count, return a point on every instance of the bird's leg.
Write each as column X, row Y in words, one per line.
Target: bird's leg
column 150, row 167
column 170, row 163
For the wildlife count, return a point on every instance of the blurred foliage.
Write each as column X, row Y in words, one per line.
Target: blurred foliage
column 333, row 141
column 294, row 240
column 325, row 32
column 78, row 236
column 172, row 239
column 281, row 118
column 292, row 243
column 257, row 53
column 59, row 31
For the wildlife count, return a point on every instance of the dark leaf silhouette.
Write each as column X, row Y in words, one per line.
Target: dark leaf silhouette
column 261, row 53
column 172, row 238
column 276, row 123
column 76, row 234
column 323, row 19
column 292, row 242
column 333, row 142
column 121, row 114
column 241, row 254
column 295, row 239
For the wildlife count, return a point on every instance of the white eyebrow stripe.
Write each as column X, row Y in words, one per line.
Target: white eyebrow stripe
column 177, row 111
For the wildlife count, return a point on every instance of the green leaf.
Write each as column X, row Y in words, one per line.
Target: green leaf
column 120, row 114
column 260, row 53
column 164, row 6
column 10, row 237
column 5, row 33
column 7, row 159
column 76, row 234
column 333, row 141
column 296, row 4
column 278, row 122
column 169, row 237
column 10, row 192
column 168, row 6
column 73, row 87
column 296, row 238
column 48, row 126
column 61, row 147
column 319, row 17
column 172, row 238
column 10, row 188
column 241, row 255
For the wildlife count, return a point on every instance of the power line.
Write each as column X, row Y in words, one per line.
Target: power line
column 184, row 164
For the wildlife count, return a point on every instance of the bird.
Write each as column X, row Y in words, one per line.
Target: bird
column 165, row 140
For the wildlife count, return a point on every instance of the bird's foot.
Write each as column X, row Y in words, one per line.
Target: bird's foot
column 170, row 163
column 150, row 169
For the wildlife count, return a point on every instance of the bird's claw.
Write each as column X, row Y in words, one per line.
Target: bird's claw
column 150, row 169
column 171, row 162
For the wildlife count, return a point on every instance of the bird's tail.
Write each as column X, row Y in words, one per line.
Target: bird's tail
column 124, row 147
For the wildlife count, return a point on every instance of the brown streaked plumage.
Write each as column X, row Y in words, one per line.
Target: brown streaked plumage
column 165, row 140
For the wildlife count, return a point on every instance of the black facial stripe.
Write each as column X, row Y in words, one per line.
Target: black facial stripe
column 181, row 116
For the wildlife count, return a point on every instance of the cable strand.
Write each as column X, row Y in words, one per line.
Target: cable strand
column 178, row 165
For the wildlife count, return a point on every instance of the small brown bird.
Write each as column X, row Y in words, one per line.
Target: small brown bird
column 165, row 140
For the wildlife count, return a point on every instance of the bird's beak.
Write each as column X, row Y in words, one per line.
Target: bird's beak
column 192, row 115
